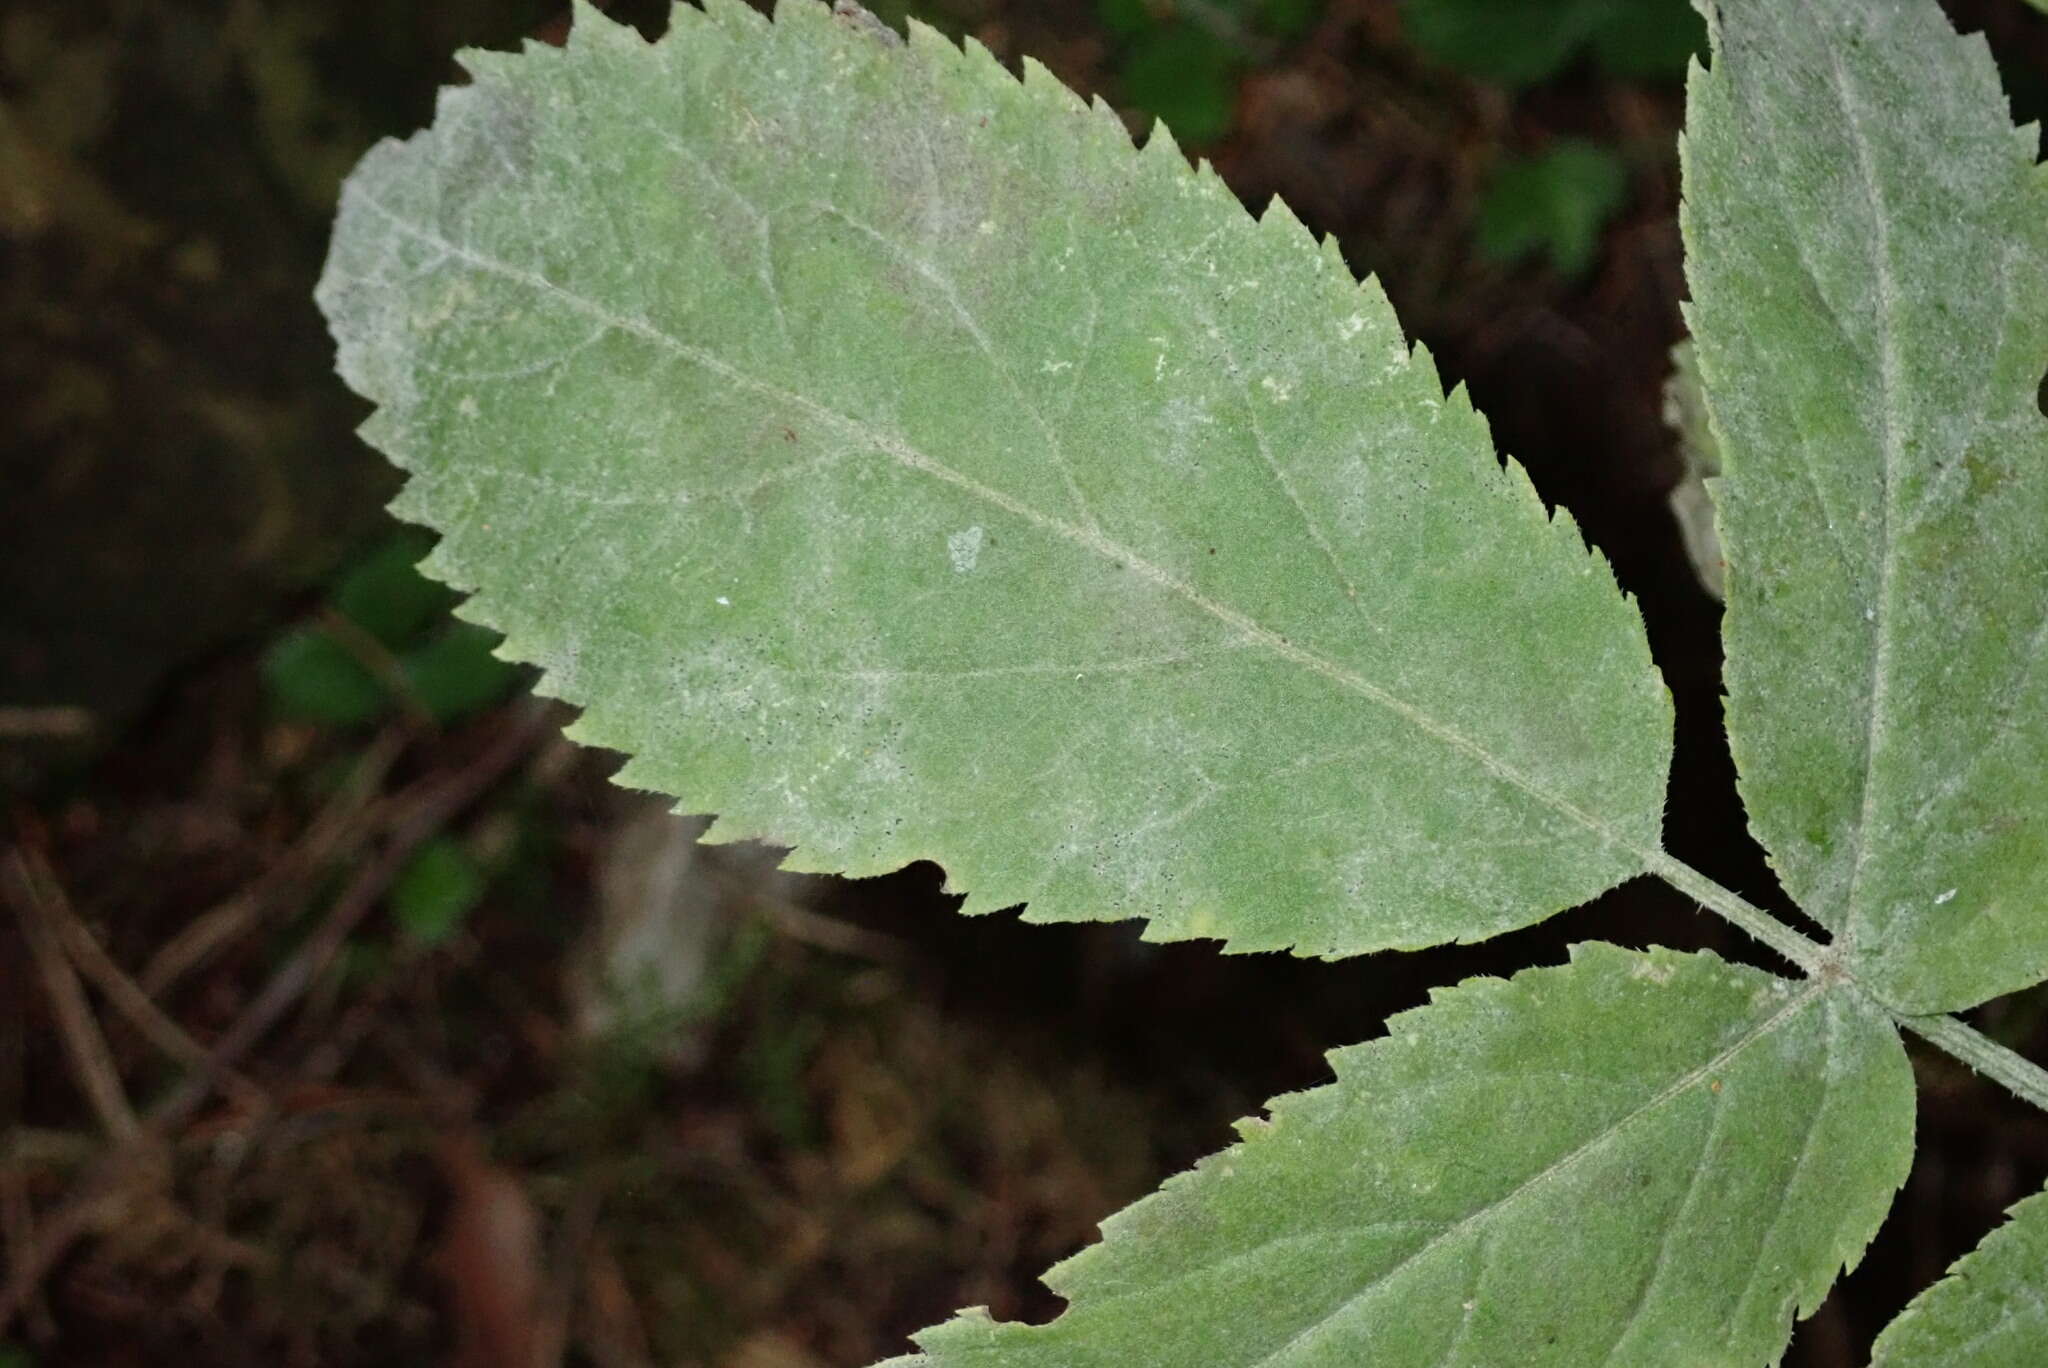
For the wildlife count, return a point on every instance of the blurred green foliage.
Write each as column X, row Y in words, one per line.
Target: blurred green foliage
column 384, row 593
column 453, row 674
column 1179, row 60
column 311, row 677
column 438, row 888
column 386, row 643
column 168, row 170
column 1554, row 204
column 1520, row 42
column 1183, row 76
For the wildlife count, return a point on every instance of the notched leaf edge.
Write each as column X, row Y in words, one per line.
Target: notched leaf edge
column 525, row 643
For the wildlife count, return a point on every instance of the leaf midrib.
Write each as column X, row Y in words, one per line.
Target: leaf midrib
column 1798, row 1002
column 1888, row 557
column 1089, row 539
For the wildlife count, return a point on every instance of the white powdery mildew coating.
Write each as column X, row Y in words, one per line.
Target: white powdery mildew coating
column 1224, row 615
column 964, row 549
column 1868, row 253
column 1697, row 1149
column 1990, row 1311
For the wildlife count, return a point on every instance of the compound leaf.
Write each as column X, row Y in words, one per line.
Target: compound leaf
column 1989, row 1312
column 900, row 464
column 1867, row 243
column 1646, row 1159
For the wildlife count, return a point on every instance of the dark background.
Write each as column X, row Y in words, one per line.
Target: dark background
column 266, row 801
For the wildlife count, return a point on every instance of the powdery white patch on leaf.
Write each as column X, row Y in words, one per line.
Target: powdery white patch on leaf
column 1867, row 245
column 1989, row 1312
column 1632, row 1159
column 899, row 464
column 964, row 548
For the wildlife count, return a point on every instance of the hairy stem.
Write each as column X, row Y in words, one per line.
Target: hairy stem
column 2020, row 1076
column 1737, row 909
column 2017, row 1074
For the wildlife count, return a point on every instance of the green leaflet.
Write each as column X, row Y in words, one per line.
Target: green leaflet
column 1989, row 1312
column 900, row 465
column 1632, row 1159
column 1867, row 244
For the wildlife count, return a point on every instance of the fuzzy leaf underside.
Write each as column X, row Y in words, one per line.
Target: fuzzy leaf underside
column 1867, row 245
column 1646, row 1159
column 896, row 462
column 1989, row 1312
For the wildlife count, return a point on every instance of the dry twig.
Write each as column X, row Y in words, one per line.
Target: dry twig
column 92, row 1063
column 422, row 810
column 91, row 959
column 58, row 723
column 338, row 828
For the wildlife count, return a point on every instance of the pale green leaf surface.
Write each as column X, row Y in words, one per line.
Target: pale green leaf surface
column 1867, row 244
column 899, row 464
column 1633, row 1159
column 1989, row 1312
column 1692, row 508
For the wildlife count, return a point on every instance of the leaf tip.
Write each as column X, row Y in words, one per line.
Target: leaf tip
column 1160, row 144
column 591, row 27
column 1279, row 216
column 926, row 41
column 737, row 14
column 984, row 64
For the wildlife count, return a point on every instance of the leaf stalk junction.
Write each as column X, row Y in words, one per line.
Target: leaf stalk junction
column 2018, row 1075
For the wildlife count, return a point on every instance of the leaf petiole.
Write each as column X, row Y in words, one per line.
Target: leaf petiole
column 2020, row 1076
